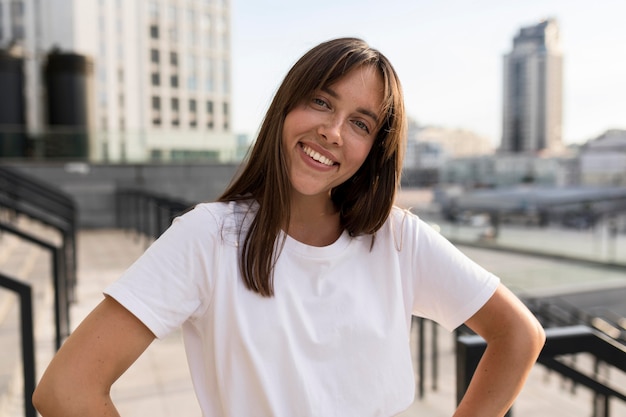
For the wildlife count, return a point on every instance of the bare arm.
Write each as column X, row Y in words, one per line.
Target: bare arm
column 514, row 339
column 79, row 377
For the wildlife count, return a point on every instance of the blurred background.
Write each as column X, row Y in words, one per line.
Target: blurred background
column 116, row 115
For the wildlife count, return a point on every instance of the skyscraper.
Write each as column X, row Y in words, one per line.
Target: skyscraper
column 532, row 90
column 161, row 72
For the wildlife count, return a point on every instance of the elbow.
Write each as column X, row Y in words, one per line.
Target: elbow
column 539, row 336
column 54, row 397
column 533, row 338
column 42, row 400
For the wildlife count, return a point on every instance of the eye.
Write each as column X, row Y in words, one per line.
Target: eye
column 320, row 102
column 361, row 125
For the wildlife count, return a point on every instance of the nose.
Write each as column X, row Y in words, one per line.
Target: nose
column 330, row 130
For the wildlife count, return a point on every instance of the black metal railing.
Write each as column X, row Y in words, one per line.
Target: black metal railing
column 61, row 302
column 559, row 341
column 21, row 194
column 27, row 337
column 147, row 213
column 47, row 204
column 422, row 359
column 558, row 311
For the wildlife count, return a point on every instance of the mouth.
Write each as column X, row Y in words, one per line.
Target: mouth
column 316, row 156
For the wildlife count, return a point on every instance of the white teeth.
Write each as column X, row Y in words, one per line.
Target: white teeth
column 317, row 156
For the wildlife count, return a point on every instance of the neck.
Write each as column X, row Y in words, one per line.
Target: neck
column 314, row 221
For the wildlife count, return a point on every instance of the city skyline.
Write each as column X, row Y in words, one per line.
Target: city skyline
column 448, row 55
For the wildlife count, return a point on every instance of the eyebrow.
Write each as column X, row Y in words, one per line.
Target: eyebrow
column 361, row 110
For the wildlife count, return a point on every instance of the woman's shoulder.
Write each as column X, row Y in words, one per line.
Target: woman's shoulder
column 222, row 211
column 401, row 217
column 403, row 224
column 228, row 219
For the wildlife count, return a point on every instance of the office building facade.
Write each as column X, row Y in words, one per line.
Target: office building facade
column 532, row 91
column 161, row 87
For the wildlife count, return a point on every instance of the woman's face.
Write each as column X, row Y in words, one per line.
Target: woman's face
column 327, row 137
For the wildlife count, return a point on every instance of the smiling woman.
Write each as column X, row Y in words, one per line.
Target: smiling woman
column 327, row 138
column 295, row 290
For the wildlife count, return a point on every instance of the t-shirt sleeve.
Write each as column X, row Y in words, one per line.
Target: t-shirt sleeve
column 448, row 287
column 170, row 281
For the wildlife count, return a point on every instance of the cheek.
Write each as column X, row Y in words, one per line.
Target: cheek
column 361, row 151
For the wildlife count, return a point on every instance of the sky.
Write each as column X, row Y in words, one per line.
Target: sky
column 448, row 55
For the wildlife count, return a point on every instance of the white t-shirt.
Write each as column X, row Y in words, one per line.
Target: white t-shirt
column 334, row 339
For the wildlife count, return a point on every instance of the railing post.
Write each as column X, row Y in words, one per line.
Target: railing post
column 434, row 356
column 28, row 339
column 59, row 279
column 420, row 356
column 601, row 406
column 28, row 350
column 61, row 302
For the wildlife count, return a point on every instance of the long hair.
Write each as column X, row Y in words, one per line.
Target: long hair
column 364, row 201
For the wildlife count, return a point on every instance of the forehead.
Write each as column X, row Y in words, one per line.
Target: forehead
column 362, row 86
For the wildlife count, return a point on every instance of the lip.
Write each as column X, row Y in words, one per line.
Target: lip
column 319, row 150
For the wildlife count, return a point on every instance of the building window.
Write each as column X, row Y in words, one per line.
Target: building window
column 174, row 81
column 205, row 21
column 156, row 155
column 209, row 111
column 192, row 78
column 156, row 79
column 172, row 17
column 154, row 56
column 1, row 27
column 172, row 14
column 174, row 104
column 193, row 119
column 208, row 74
column 192, row 82
column 225, row 77
column 225, row 108
column 173, row 59
column 16, row 18
column 154, row 31
column 156, row 110
column 154, row 10
column 173, row 34
column 102, row 98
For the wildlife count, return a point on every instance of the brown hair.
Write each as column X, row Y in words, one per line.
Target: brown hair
column 364, row 201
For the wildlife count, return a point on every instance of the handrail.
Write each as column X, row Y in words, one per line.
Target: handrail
column 146, row 212
column 48, row 204
column 559, row 341
column 61, row 293
column 558, row 311
column 28, row 343
column 21, row 186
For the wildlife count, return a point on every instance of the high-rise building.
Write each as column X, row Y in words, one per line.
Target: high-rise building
column 532, row 90
column 161, row 87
